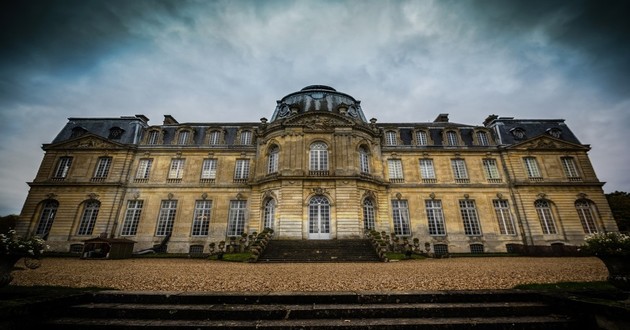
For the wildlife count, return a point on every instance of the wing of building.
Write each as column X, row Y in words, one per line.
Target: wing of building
column 316, row 170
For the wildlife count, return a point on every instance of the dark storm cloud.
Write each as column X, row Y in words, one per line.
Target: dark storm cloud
column 598, row 31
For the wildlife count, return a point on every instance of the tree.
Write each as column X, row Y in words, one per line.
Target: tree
column 8, row 222
column 619, row 202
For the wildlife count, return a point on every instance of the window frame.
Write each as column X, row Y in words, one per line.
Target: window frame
column 395, row 169
column 64, row 164
column 422, row 138
column 364, row 160
column 491, row 168
column 144, row 168
column 400, row 217
column 241, row 169
column 202, row 217
column 531, row 168
column 369, row 214
column 586, row 215
column 273, row 161
column 46, row 217
column 246, row 138
column 460, row 172
column 269, row 213
column 132, row 217
column 470, row 217
column 545, row 216
column 176, row 170
column 166, row 217
column 101, row 171
column 391, row 138
column 89, row 216
column 427, row 169
column 237, row 218
column 452, row 138
column 504, row 217
column 435, row 217
column 569, row 167
column 318, row 156
column 482, row 138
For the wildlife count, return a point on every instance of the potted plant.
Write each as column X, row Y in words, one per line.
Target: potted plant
column 14, row 248
column 614, row 250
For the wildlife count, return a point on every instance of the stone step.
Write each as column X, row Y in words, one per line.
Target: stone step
column 344, row 250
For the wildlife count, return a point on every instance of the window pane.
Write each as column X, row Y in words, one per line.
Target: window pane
column 242, row 169
column 273, row 160
column 435, row 217
column 426, row 169
column 269, row 214
column 166, row 218
column 177, row 169
column 144, row 168
column 395, row 168
column 401, row 218
column 532, row 167
column 570, row 170
column 364, row 160
column 47, row 218
column 319, row 157
column 215, row 137
column 459, row 169
column 246, row 137
column 368, row 214
column 504, row 217
column 209, row 169
column 102, row 168
column 451, row 138
column 544, row 215
column 88, row 219
column 153, row 137
column 63, row 166
column 132, row 218
column 391, row 139
column 201, row 218
column 482, row 138
column 469, row 217
column 183, row 137
column 490, row 167
column 236, row 220
column 585, row 214
column 421, row 138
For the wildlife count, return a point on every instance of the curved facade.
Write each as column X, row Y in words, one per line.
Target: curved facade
column 317, row 170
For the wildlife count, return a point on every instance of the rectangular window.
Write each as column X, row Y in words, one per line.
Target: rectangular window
column 241, row 171
column 132, row 218
column 177, row 169
column 215, row 138
column 426, row 169
column 435, row 217
column 459, row 169
column 451, row 138
column 482, row 139
column 504, row 217
column 364, row 161
column 102, row 167
column 246, row 137
column 236, row 220
column 166, row 218
column 201, row 220
column 88, row 219
column 532, row 167
column 469, row 217
column 491, row 169
column 570, row 169
column 391, row 138
column 183, row 137
column 421, row 138
column 63, row 167
column 153, row 137
column 400, row 216
column 209, row 169
column 144, row 168
column 395, row 170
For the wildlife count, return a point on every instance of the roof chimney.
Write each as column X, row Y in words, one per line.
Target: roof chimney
column 144, row 118
column 441, row 118
column 169, row 120
column 489, row 120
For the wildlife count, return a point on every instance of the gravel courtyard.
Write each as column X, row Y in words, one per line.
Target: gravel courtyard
column 205, row 275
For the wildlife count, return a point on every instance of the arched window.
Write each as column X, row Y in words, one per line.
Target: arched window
column 184, row 137
column 364, row 160
column 319, row 157
column 272, row 166
column 47, row 217
column 451, row 138
column 545, row 216
column 368, row 214
column 88, row 219
column 319, row 218
column 400, row 215
column 215, row 138
column 269, row 213
column 585, row 212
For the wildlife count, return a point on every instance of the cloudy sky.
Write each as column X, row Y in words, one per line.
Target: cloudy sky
column 407, row 61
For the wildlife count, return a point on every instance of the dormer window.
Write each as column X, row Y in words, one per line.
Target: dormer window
column 77, row 131
column 555, row 132
column 451, row 138
column 482, row 138
column 215, row 138
column 422, row 138
column 246, row 138
column 390, row 138
column 184, row 137
column 153, row 137
column 518, row 133
column 115, row 133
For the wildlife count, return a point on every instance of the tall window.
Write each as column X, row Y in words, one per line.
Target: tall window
column 319, row 157
column 236, row 220
column 390, row 138
column 395, row 169
column 364, row 160
column 102, row 167
column 132, row 218
column 585, row 213
column 209, row 169
column 183, row 137
column 482, row 138
column 88, row 219
column 177, row 169
column 400, row 216
column 166, row 218
column 469, row 217
column 451, row 138
column 215, row 138
column 435, row 217
column 504, row 217
column 246, row 137
column 63, row 167
column 491, row 169
column 426, row 169
column 269, row 213
column 545, row 216
column 272, row 166
column 421, row 138
column 154, row 137
column 368, row 214
column 201, row 218
column 144, row 168
column 47, row 217
column 459, row 169
column 241, row 171
column 569, row 167
column 532, row 168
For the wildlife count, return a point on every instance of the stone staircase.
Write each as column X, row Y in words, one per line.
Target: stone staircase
column 430, row 310
column 342, row 250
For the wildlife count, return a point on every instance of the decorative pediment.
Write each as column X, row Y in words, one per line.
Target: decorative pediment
column 320, row 121
column 86, row 142
column 545, row 142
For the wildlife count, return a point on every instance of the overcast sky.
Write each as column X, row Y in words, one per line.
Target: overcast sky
column 407, row 61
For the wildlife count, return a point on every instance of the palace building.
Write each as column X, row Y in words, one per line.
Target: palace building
column 317, row 169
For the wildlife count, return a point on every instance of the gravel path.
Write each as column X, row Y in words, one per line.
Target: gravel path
column 205, row 275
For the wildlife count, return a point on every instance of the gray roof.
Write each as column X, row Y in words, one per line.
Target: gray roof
column 506, row 128
column 131, row 129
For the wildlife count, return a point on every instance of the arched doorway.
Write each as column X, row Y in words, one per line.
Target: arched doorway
column 319, row 218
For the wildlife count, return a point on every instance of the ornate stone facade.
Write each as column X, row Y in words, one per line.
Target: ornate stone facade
column 317, row 170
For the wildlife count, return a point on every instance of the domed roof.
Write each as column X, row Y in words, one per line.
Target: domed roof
column 318, row 98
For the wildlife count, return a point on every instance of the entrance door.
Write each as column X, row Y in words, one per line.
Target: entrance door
column 319, row 218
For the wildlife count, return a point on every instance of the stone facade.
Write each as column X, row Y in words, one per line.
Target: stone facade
column 317, row 170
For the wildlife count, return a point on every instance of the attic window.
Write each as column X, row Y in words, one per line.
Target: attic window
column 555, row 132
column 518, row 132
column 77, row 131
column 115, row 133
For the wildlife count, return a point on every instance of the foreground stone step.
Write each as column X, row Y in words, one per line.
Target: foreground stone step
column 344, row 250
column 526, row 322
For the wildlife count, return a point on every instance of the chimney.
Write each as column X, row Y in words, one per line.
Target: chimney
column 441, row 118
column 489, row 120
column 144, row 118
column 169, row 120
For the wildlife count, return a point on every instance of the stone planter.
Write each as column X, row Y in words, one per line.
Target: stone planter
column 6, row 266
column 618, row 271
